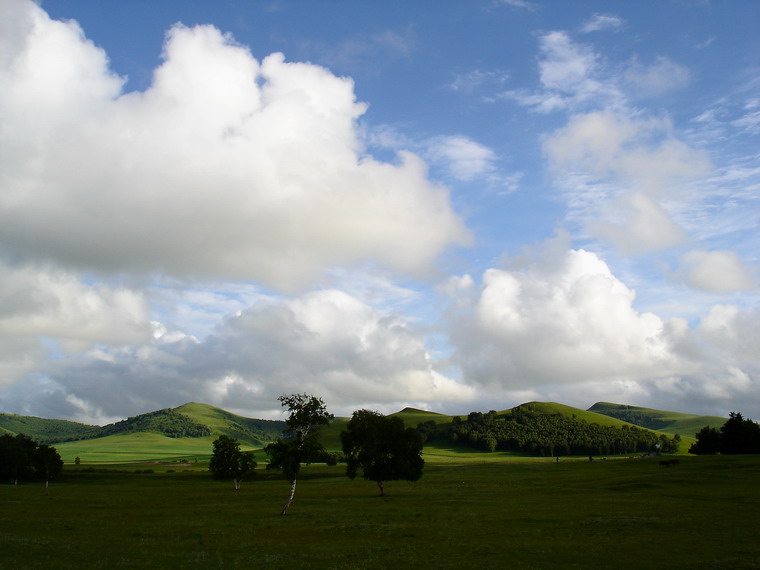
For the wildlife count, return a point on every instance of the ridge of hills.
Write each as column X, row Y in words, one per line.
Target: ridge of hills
column 189, row 429
column 191, row 420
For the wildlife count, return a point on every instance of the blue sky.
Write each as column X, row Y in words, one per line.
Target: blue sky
column 455, row 206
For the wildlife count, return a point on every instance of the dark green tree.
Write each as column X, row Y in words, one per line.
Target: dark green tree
column 301, row 444
column 22, row 458
column 382, row 448
column 16, row 452
column 47, row 464
column 708, row 442
column 739, row 435
column 229, row 462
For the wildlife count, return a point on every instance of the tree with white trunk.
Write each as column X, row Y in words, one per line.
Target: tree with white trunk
column 300, row 444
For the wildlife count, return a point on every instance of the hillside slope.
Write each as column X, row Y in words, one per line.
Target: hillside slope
column 665, row 421
column 588, row 416
column 249, row 430
column 187, row 430
column 44, row 430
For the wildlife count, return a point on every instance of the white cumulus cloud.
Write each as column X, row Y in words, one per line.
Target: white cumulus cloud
column 560, row 326
column 559, row 321
column 224, row 167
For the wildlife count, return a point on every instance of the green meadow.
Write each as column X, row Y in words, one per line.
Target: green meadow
column 468, row 510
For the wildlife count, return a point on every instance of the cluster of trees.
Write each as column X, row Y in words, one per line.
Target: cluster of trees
column 635, row 416
column 547, row 435
column 378, row 446
column 23, row 459
column 738, row 435
column 167, row 422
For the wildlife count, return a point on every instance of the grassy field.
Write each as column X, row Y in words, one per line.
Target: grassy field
column 627, row 513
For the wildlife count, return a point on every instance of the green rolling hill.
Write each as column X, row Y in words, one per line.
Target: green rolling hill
column 44, row 430
column 588, row 416
column 660, row 420
column 171, row 433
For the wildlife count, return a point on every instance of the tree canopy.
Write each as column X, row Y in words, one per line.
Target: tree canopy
column 737, row 436
column 229, row 462
column 382, row 447
column 23, row 459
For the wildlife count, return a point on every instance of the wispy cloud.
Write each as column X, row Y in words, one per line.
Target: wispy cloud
column 657, row 78
column 571, row 78
column 599, row 22
column 368, row 55
column 472, row 81
column 524, row 4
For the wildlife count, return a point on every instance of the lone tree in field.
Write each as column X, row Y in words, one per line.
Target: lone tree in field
column 383, row 448
column 307, row 414
column 228, row 462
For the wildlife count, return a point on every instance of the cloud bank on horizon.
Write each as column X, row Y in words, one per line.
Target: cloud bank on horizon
column 376, row 214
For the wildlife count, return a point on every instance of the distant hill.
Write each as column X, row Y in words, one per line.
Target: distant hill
column 191, row 420
column 589, row 416
column 44, row 430
column 660, row 420
column 222, row 422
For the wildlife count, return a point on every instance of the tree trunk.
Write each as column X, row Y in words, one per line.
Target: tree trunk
column 382, row 488
column 290, row 499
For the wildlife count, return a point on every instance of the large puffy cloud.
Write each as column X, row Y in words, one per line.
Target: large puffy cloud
column 225, row 166
column 44, row 302
column 560, row 326
column 562, row 322
column 40, row 305
column 326, row 342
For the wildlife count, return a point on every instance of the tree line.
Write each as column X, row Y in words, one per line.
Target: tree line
column 534, row 433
